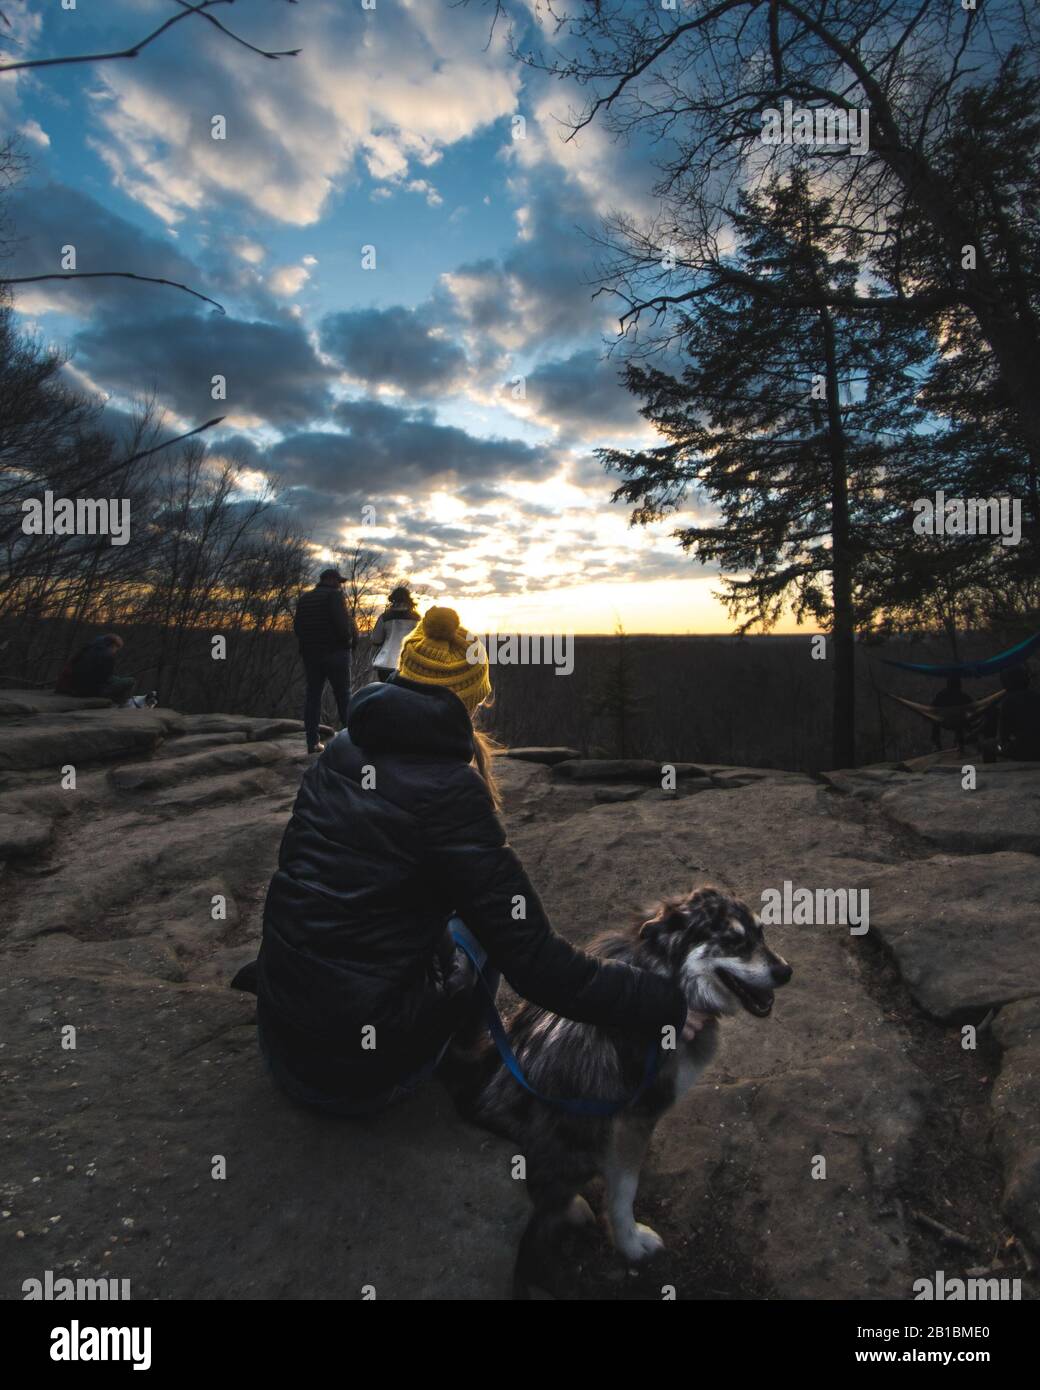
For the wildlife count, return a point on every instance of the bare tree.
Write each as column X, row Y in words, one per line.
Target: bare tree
column 696, row 81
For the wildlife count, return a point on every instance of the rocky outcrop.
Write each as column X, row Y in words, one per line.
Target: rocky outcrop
column 794, row 1170
column 548, row 756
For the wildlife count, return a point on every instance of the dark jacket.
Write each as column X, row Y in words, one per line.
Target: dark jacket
column 1020, row 724
column 323, row 622
column 355, row 918
column 89, row 671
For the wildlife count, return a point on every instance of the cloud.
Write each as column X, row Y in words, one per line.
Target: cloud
column 381, row 450
column 272, row 372
column 46, row 219
column 32, row 130
column 288, row 280
column 540, row 291
column 583, row 395
column 417, row 85
column 395, row 347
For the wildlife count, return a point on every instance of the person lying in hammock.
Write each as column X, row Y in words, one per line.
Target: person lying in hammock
column 951, row 696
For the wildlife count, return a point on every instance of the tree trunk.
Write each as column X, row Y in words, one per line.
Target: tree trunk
column 843, row 739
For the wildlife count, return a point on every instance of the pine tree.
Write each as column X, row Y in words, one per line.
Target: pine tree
column 797, row 424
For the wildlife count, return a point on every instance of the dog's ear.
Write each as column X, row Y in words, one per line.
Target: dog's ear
column 667, row 918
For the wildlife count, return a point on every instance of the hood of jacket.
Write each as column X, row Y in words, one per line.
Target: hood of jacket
column 403, row 716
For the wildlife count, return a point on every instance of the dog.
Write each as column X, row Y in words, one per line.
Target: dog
column 712, row 946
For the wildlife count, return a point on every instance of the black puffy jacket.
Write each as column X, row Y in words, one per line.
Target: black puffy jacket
column 89, row 671
column 393, row 830
column 323, row 623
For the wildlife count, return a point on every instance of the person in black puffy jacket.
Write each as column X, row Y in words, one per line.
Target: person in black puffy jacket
column 327, row 635
column 394, row 831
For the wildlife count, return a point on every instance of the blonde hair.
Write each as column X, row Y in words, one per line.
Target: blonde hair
column 484, row 746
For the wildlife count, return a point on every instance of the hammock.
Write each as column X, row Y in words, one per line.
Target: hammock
column 1014, row 656
column 955, row 717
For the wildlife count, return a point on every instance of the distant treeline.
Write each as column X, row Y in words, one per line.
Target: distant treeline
column 752, row 702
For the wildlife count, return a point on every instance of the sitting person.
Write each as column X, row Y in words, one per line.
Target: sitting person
column 1019, row 716
column 392, row 626
column 951, row 696
column 92, row 672
column 394, row 835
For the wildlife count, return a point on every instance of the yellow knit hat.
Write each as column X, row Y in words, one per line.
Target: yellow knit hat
column 439, row 651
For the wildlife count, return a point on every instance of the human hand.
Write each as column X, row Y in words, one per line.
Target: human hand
column 694, row 1023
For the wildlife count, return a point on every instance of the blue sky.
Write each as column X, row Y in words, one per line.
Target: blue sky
column 390, row 387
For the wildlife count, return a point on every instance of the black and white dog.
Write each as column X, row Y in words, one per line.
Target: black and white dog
column 711, row 944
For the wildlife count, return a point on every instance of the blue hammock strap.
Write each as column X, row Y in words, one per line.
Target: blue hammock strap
column 976, row 670
column 505, row 1051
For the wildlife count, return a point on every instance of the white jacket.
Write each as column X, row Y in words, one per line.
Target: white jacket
column 391, row 632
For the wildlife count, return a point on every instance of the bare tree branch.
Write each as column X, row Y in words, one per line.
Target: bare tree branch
column 186, row 12
column 112, row 275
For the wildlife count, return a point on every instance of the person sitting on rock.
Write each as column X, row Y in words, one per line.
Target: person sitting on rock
column 1019, row 716
column 91, row 672
column 327, row 635
column 392, row 626
column 951, row 696
column 394, row 834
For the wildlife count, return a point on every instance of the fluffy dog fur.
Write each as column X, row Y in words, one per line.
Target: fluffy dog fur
column 710, row 944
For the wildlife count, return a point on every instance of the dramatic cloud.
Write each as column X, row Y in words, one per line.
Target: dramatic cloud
column 385, row 90
column 271, row 371
column 47, row 219
column 541, row 290
column 344, row 387
column 394, row 347
column 381, row 450
column 582, row 394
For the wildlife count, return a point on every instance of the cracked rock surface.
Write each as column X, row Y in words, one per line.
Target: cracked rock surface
column 800, row 1167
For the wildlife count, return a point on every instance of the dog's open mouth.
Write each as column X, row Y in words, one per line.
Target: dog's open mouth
column 758, row 1002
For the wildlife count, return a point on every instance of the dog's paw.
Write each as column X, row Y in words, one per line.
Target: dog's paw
column 579, row 1213
column 639, row 1243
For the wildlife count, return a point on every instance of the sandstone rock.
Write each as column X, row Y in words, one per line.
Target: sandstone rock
column 154, row 776
column 114, row 934
column 218, row 791
column 30, row 702
column 165, row 1076
column 868, row 783
column 549, row 756
column 66, row 957
column 962, row 929
column 111, row 884
column 275, row 728
column 253, row 728
column 195, row 743
column 23, row 835
column 1016, row 1104
column 1001, row 813
column 620, row 770
column 80, row 739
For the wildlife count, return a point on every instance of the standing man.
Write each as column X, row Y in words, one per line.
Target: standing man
column 327, row 634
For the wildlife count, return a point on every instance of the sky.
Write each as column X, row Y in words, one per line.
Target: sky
column 398, row 231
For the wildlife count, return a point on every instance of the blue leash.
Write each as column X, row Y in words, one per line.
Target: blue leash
column 505, row 1051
